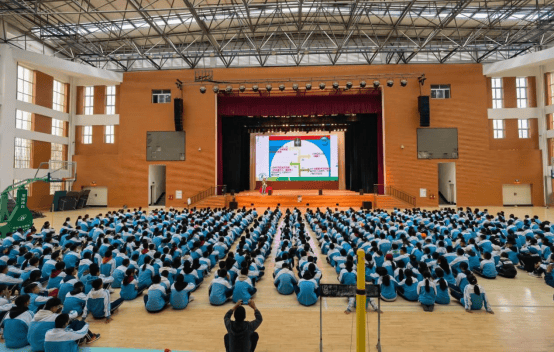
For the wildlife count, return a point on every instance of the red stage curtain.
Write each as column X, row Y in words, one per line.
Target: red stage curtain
column 299, row 105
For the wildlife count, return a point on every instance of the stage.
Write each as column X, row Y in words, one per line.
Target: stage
column 303, row 198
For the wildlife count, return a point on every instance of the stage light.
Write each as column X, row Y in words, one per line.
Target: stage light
column 390, row 83
column 322, row 86
column 268, row 87
column 216, row 89
column 308, row 86
column 281, row 87
column 202, row 89
column 376, row 84
column 242, row 88
column 362, row 84
column 255, row 88
column 295, row 87
column 228, row 89
column 348, row 85
column 403, row 82
column 335, row 85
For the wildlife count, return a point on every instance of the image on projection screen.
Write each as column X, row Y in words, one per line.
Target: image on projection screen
column 297, row 158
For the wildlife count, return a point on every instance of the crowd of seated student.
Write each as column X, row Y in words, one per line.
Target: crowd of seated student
column 237, row 275
column 46, row 274
column 428, row 256
column 295, row 253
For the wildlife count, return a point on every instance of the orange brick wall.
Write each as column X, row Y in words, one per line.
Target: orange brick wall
column 482, row 167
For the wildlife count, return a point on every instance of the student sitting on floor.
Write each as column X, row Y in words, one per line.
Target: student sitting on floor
column 44, row 321
column 387, row 284
column 407, row 286
column 505, row 267
column 75, row 300
column 285, row 281
column 487, row 268
column 129, row 287
column 66, row 338
column 67, row 283
column 443, row 296
column 157, row 298
column 307, row 291
column 221, row 289
column 244, row 289
column 427, row 292
column 37, row 300
column 475, row 297
column 16, row 323
column 180, row 293
column 99, row 304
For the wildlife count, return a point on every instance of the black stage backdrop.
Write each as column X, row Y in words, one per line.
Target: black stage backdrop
column 361, row 153
column 235, row 153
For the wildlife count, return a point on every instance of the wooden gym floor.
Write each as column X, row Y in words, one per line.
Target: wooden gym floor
column 523, row 321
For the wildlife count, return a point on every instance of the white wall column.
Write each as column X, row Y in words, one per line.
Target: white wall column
column 71, row 124
column 8, row 95
column 543, row 143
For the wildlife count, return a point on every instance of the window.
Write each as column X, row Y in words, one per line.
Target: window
column 496, row 85
column 498, row 128
column 58, row 127
column 110, row 100
column 27, row 187
column 56, row 158
column 22, row 155
column 89, row 100
column 59, row 96
column 161, row 96
column 87, row 134
column 551, row 83
column 440, row 91
column 23, row 120
column 523, row 128
column 521, row 92
column 109, row 134
column 25, row 84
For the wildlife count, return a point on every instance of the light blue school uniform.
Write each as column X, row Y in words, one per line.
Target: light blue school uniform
column 307, row 292
column 285, row 282
column 220, row 289
column 443, row 296
column 156, row 301
column 74, row 303
column 424, row 297
column 16, row 329
column 129, row 292
column 180, row 299
column 37, row 331
column 58, row 340
column 244, row 290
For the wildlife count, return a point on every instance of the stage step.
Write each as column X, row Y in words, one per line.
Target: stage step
column 354, row 201
column 211, row 202
column 389, row 202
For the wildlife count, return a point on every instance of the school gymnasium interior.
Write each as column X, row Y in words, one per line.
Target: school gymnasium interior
column 418, row 133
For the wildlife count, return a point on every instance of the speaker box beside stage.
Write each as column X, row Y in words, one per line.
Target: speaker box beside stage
column 233, row 205
column 361, row 191
column 269, row 192
column 178, row 113
column 320, row 192
column 424, row 111
column 367, row 205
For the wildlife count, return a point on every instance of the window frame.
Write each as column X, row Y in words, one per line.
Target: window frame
column 522, row 94
column 445, row 91
column 88, row 102
column 499, row 132
column 87, row 137
column 497, row 90
column 110, row 100
column 524, row 132
column 23, row 82
column 58, row 127
column 157, row 93
column 59, row 96
column 21, row 122
column 109, row 134
column 22, row 160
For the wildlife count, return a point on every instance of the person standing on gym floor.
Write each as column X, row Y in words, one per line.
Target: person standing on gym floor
column 241, row 335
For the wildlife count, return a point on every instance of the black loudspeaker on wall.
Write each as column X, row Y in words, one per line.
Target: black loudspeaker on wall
column 367, row 205
column 233, row 205
column 178, row 113
column 424, row 111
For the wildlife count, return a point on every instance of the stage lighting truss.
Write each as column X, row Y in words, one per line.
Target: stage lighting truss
column 350, row 83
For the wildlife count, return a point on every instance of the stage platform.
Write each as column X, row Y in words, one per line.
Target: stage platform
column 309, row 198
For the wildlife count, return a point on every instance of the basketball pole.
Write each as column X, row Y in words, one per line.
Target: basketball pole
column 360, row 303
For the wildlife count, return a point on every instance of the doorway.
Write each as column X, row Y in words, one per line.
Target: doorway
column 156, row 185
column 447, row 183
column 516, row 194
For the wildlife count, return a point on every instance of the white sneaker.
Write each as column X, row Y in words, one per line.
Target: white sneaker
column 534, row 275
column 191, row 298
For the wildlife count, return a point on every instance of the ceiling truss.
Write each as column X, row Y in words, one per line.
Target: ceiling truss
column 130, row 35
